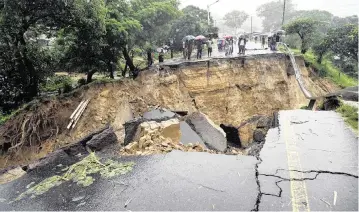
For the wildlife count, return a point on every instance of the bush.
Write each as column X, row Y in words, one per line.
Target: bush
column 55, row 83
column 350, row 115
column 81, row 82
column 67, row 87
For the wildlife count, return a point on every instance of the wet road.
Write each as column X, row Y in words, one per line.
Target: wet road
column 175, row 181
column 310, row 162
column 252, row 49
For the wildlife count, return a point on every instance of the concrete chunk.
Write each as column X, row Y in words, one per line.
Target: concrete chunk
column 212, row 135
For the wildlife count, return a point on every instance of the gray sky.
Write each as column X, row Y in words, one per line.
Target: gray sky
column 336, row 7
column 340, row 8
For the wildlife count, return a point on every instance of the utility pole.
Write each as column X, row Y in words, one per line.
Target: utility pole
column 251, row 27
column 283, row 13
column 208, row 13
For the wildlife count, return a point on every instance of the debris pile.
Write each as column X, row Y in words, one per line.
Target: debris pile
column 154, row 137
column 161, row 131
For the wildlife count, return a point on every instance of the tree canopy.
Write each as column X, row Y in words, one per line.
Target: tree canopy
column 304, row 27
column 235, row 18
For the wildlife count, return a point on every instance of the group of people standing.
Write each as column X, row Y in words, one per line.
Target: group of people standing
column 188, row 48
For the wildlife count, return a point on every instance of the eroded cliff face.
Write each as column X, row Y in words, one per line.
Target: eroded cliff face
column 229, row 91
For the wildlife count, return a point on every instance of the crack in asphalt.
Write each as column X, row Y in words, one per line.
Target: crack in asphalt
column 298, row 122
column 259, row 196
column 318, row 172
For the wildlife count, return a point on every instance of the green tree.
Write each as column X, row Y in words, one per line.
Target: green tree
column 305, row 28
column 192, row 21
column 22, row 61
column 86, row 38
column 272, row 14
column 344, row 41
column 235, row 19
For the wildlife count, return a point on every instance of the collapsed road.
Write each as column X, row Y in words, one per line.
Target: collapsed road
column 309, row 162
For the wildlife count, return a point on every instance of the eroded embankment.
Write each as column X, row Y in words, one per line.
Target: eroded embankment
column 228, row 90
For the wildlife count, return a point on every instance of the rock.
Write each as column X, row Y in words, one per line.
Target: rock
column 234, row 151
column 11, row 174
column 131, row 147
column 212, row 135
column 264, row 122
column 164, row 144
column 102, row 140
column 158, row 114
column 259, row 135
column 189, row 136
column 171, row 129
column 246, row 133
column 148, row 143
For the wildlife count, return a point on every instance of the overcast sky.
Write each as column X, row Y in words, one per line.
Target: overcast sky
column 340, row 8
column 336, row 7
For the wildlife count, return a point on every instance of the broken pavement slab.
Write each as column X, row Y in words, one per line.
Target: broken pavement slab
column 213, row 136
column 175, row 181
column 312, row 154
column 189, row 136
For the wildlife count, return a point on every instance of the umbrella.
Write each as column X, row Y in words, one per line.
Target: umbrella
column 227, row 36
column 188, row 37
column 200, row 37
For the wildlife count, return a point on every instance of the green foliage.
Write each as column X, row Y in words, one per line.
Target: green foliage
column 326, row 68
column 193, row 21
column 350, row 115
column 55, row 83
column 235, row 19
column 344, row 41
column 305, row 28
column 81, row 82
column 81, row 172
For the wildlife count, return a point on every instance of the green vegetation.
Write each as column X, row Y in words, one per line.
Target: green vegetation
column 350, row 115
column 327, row 69
column 55, row 83
column 80, row 173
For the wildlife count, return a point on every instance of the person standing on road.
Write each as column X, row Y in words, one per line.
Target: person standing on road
column 231, row 46
column 209, row 48
column 189, row 49
column 199, row 49
column 263, row 42
column 242, row 45
column 185, row 49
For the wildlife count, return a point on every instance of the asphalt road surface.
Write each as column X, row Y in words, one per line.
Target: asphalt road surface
column 310, row 162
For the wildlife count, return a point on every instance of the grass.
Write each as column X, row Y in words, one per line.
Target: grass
column 350, row 115
column 327, row 69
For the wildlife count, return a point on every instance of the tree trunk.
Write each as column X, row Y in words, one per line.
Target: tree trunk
column 128, row 60
column 90, row 73
column 33, row 88
column 124, row 71
column 110, row 69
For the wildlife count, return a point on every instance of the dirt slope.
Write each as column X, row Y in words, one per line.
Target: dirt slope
column 229, row 91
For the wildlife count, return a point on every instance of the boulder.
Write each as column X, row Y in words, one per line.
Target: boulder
column 213, row 136
column 189, row 136
column 246, row 133
column 102, row 140
column 264, row 122
column 259, row 135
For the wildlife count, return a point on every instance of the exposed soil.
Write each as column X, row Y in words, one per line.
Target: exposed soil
column 227, row 91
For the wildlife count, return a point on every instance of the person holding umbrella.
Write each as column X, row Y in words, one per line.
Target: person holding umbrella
column 199, row 40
